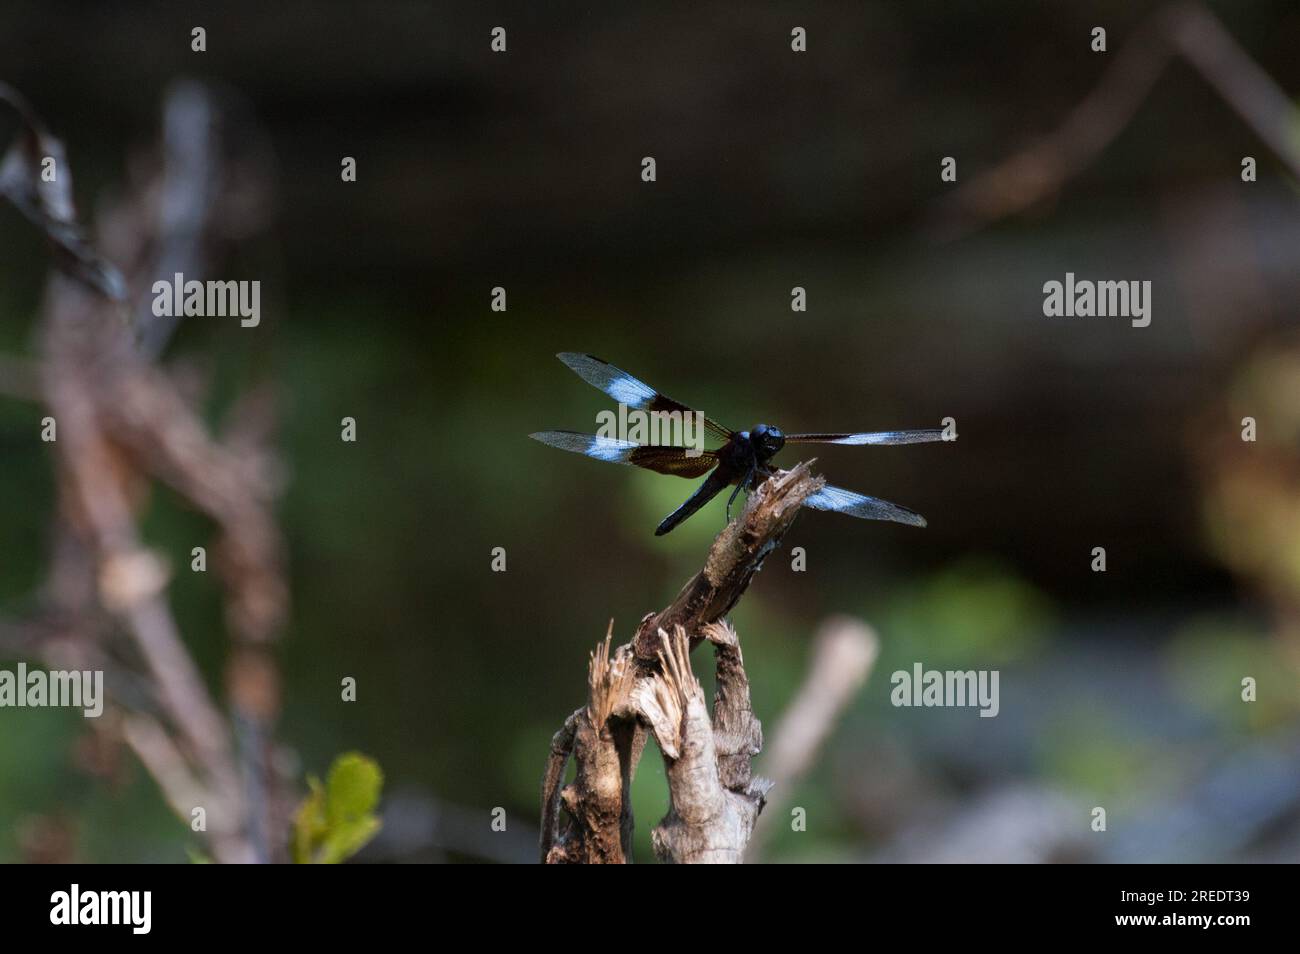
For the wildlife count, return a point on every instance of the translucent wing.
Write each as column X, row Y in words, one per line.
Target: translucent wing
column 840, row 500
column 625, row 389
column 921, row 436
column 597, row 448
column 676, row 461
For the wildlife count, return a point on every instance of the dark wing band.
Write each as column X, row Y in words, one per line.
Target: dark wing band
column 676, row 461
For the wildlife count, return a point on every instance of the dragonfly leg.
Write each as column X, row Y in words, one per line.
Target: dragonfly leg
column 739, row 484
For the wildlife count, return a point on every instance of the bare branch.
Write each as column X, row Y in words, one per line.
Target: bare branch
column 736, row 555
column 556, row 763
column 124, row 422
column 843, row 655
column 714, row 798
column 711, row 812
column 1185, row 29
column 47, row 200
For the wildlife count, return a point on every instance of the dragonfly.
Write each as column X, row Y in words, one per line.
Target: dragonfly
column 743, row 460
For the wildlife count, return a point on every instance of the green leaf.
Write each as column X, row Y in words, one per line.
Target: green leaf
column 346, row 840
column 309, row 825
column 353, row 788
column 336, row 820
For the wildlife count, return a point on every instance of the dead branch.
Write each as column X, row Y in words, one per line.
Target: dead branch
column 124, row 422
column 713, row 800
column 648, row 686
column 598, row 801
column 736, row 555
column 47, row 200
column 1188, row 30
column 844, row 652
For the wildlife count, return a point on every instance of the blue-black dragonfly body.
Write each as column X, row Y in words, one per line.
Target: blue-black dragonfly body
column 742, row 460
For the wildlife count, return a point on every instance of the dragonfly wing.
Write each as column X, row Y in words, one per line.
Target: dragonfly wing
column 591, row 445
column 629, row 391
column 921, row 436
column 839, row 500
column 675, row 461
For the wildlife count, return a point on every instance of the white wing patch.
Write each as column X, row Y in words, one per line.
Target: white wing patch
column 591, row 445
column 630, row 391
column 839, row 500
column 618, row 384
column 610, row 449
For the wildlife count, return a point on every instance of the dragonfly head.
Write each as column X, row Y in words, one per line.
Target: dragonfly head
column 767, row 440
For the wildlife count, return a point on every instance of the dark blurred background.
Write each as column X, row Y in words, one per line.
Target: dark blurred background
column 775, row 169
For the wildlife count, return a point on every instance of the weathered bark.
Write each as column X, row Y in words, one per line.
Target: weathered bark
column 598, row 801
column 647, row 684
column 736, row 555
column 713, row 800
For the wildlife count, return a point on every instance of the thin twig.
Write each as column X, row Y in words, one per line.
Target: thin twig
column 1185, row 29
column 843, row 655
column 122, row 422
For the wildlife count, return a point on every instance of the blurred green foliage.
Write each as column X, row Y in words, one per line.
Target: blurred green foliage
column 1208, row 659
column 975, row 610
